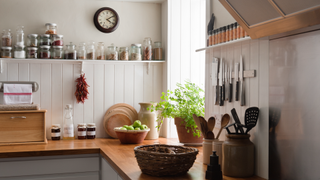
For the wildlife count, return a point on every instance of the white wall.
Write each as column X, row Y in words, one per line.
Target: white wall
column 223, row 17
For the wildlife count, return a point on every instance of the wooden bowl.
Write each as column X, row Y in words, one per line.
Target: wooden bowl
column 131, row 136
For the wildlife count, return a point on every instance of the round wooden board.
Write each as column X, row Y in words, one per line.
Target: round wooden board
column 134, row 114
column 116, row 115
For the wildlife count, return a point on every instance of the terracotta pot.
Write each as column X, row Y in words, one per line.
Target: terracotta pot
column 184, row 136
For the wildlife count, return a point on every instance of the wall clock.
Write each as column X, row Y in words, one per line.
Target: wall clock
column 106, row 20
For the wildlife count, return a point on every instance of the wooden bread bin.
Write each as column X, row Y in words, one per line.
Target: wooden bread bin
column 22, row 127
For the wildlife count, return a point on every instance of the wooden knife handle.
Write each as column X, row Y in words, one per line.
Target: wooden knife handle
column 237, row 91
column 230, row 92
column 220, row 93
column 223, row 92
column 217, row 96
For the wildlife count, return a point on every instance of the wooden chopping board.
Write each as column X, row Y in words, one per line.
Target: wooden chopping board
column 116, row 118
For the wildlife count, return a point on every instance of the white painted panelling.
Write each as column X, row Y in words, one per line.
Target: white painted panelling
column 56, row 89
column 119, row 83
column 23, row 72
column 138, row 88
column 88, row 105
column 45, row 93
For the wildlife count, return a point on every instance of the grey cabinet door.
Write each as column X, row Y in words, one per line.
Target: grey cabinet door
column 107, row 172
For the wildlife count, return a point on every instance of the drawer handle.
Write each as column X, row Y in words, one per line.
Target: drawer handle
column 20, row 117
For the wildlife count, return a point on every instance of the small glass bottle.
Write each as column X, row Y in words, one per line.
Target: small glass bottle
column 19, row 52
column 210, row 37
column 70, row 52
column 55, row 132
column 241, row 32
column 68, row 130
column 32, row 40
column 231, row 32
column 32, row 52
column 158, row 51
column 91, row 52
column 44, row 52
column 51, row 28
column 135, row 52
column 20, row 36
column 6, row 52
column 123, row 54
column 218, row 36
column 223, row 34
column 82, row 53
column 213, row 37
column 45, row 40
column 6, row 38
column 82, row 131
column 238, row 31
column 235, row 25
column 57, row 52
column 112, row 53
column 227, row 33
column 57, row 40
column 100, row 51
column 147, row 49
column 91, row 131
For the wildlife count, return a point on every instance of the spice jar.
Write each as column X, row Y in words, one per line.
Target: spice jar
column 55, row 132
column 51, row 28
column 6, row 38
column 147, row 49
column 241, row 32
column 32, row 52
column 20, row 36
column 19, row 52
column 45, row 40
column 237, row 27
column 91, row 131
column 57, row 52
column 227, row 33
column 219, row 36
column 214, row 39
column 158, row 54
column 57, row 40
column 124, row 54
column 135, row 53
column 44, row 52
column 82, row 131
column 112, row 53
column 82, row 53
column 231, row 32
column 70, row 52
column 6, row 52
column 100, row 51
column 91, row 52
column 32, row 40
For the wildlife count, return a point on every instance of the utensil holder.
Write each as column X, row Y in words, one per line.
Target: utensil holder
column 217, row 146
column 207, row 150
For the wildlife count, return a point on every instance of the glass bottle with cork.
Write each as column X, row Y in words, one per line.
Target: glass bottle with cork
column 68, row 130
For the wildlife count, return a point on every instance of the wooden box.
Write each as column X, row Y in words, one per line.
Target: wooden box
column 22, row 127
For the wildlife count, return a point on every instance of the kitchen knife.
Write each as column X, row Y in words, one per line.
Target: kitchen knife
column 242, row 98
column 220, row 82
column 226, row 77
column 223, row 82
column 215, row 68
column 230, row 82
column 236, row 73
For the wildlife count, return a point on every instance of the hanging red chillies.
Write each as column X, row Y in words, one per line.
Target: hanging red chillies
column 82, row 89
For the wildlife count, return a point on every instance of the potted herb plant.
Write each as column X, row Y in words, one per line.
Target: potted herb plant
column 187, row 99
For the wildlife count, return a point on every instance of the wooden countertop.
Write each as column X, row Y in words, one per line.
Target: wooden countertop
column 119, row 156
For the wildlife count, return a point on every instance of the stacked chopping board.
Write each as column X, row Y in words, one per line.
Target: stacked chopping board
column 117, row 116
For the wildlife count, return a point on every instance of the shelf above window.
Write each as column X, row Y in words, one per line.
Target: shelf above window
column 224, row 44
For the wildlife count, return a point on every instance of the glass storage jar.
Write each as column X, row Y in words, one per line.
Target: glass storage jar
column 147, row 49
column 82, row 53
column 32, row 52
column 123, row 54
column 45, row 40
column 91, row 52
column 19, row 52
column 82, row 131
column 20, row 36
column 57, row 40
column 100, row 51
column 51, row 28
column 135, row 52
column 32, row 40
column 158, row 53
column 6, row 52
column 6, row 38
column 57, row 52
column 44, row 52
column 55, row 132
column 91, row 131
column 112, row 53
column 70, row 52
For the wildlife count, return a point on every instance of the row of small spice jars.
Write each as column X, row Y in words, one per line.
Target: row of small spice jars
column 227, row 33
column 85, row 131
column 35, row 40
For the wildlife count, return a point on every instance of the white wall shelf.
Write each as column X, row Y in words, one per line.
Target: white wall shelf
column 224, row 44
column 75, row 61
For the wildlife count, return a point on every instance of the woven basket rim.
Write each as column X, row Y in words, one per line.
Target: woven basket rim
column 137, row 148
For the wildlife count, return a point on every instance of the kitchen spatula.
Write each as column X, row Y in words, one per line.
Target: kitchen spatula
column 251, row 117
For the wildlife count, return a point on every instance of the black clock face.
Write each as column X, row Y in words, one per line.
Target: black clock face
column 106, row 20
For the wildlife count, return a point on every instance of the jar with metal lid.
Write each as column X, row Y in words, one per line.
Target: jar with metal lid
column 32, row 52
column 70, row 52
column 91, row 131
column 20, row 36
column 147, row 49
column 124, row 54
column 55, row 132
column 51, row 28
column 6, row 52
column 82, row 131
column 6, row 38
column 82, row 53
column 44, row 52
column 112, row 53
column 45, row 40
column 158, row 54
column 100, row 51
column 32, row 40
column 19, row 52
column 91, row 52
column 135, row 52
column 57, row 40
column 57, row 52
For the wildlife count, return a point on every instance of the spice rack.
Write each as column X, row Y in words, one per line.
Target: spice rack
column 224, row 44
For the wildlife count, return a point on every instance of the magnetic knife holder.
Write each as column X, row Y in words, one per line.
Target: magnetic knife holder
column 246, row 74
column 35, row 85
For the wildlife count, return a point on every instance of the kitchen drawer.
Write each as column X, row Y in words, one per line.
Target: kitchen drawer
column 22, row 127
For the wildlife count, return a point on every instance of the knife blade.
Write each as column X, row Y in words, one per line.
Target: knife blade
column 236, row 73
column 242, row 98
column 230, row 82
column 215, row 67
column 221, row 82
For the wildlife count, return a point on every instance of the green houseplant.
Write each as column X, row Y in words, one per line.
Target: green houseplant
column 187, row 99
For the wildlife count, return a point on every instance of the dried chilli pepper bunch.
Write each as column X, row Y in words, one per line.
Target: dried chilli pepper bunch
column 82, row 89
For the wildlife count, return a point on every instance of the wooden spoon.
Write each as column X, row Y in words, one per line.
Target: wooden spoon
column 224, row 122
column 197, row 121
column 210, row 135
column 204, row 126
column 211, row 123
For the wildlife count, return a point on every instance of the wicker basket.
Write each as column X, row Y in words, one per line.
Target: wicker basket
column 165, row 160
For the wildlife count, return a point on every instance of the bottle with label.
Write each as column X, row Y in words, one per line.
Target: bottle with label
column 68, row 130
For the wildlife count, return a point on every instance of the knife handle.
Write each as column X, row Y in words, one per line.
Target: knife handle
column 223, row 92
column 217, row 95
column 220, row 93
column 242, row 101
column 237, row 91
column 230, row 92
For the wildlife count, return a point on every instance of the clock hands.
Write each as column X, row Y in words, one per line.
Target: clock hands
column 110, row 17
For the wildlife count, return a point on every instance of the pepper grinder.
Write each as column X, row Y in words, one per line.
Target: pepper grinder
column 214, row 169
